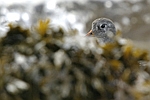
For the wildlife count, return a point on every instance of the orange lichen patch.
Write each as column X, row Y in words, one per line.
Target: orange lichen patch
column 127, row 51
column 125, row 75
column 138, row 53
column 137, row 95
column 116, row 65
column 141, row 92
column 130, row 52
column 147, row 84
column 42, row 26
column 118, row 33
column 108, row 48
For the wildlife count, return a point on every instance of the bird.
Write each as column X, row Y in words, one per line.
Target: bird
column 104, row 29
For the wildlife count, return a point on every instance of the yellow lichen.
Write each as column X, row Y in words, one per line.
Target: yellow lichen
column 116, row 65
column 42, row 26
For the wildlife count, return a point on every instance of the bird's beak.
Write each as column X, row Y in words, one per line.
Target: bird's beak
column 90, row 33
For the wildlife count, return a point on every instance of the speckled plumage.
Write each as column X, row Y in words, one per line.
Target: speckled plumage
column 103, row 28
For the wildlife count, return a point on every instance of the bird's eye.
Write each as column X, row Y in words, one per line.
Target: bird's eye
column 103, row 26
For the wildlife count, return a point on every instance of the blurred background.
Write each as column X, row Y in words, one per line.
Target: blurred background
column 42, row 59
column 132, row 17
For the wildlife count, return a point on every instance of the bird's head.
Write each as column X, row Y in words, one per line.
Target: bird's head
column 103, row 28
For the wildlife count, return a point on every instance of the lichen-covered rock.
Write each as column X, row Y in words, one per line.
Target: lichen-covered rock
column 47, row 63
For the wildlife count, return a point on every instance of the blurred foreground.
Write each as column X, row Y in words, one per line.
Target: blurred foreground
column 50, row 63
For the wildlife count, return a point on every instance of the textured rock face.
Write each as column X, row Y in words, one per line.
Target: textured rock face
column 49, row 64
column 42, row 61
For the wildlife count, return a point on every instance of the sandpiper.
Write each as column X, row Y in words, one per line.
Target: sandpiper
column 104, row 29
